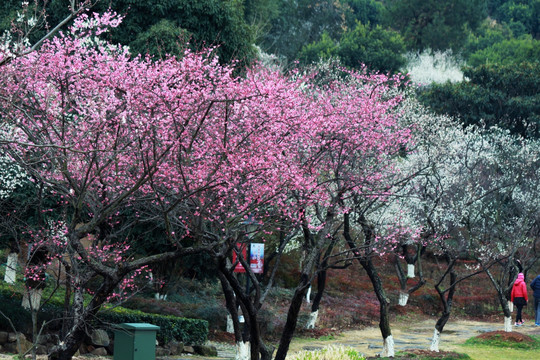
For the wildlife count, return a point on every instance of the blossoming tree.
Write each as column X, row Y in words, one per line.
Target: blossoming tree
column 122, row 140
column 357, row 144
column 112, row 135
column 469, row 182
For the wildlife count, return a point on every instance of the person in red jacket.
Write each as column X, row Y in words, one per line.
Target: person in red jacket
column 519, row 297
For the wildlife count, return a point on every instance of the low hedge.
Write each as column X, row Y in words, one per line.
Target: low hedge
column 10, row 307
column 189, row 331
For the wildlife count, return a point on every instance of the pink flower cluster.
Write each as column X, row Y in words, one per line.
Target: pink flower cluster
column 189, row 137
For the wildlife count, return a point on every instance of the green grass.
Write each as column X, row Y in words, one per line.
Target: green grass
column 482, row 352
column 331, row 352
column 327, row 337
column 497, row 349
column 407, row 355
column 498, row 342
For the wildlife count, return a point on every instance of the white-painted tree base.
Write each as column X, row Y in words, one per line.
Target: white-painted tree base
column 388, row 347
column 230, row 326
column 312, row 320
column 410, row 271
column 435, row 341
column 32, row 299
column 11, row 268
column 403, row 298
column 242, row 350
column 508, row 323
column 159, row 296
column 308, row 295
column 511, row 306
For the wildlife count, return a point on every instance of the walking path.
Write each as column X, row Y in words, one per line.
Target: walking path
column 368, row 341
column 414, row 335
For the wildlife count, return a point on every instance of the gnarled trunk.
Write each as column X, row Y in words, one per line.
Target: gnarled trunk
column 321, row 285
column 405, row 293
column 292, row 316
column 506, row 305
column 447, row 305
column 314, row 246
column 369, row 267
column 249, row 344
column 81, row 314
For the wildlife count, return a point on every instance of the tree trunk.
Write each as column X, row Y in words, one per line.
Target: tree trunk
column 314, row 245
column 230, row 304
column 447, row 306
column 242, row 338
column 410, row 271
column 243, row 350
column 403, row 294
column 384, row 320
column 71, row 342
column 505, row 303
column 418, row 259
column 67, row 305
column 411, row 260
column 230, row 324
column 250, row 341
column 292, row 317
column 367, row 263
column 32, row 299
column 81, row 315
column 321, row 284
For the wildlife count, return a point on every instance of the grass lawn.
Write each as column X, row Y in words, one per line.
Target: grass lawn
column 483, row 352
column 500, row 345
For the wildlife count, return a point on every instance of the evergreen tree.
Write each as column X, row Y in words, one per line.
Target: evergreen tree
column 434, row 24
column 502, row 95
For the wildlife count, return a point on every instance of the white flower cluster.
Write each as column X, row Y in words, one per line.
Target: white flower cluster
column 479, row 185
column 434, row 67
column 10, row 45
column 270, row 61
column 11, row 177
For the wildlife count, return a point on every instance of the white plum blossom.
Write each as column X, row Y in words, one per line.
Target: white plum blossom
column 459, row 177
column 434, row 67
column 12, row 176
column 477, row 188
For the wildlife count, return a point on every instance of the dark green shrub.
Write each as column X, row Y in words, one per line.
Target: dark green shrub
column 189, row 331
column 212, row 312
column 10, row 306
column 189, row 299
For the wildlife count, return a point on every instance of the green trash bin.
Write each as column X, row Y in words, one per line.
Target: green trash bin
column 135, row 341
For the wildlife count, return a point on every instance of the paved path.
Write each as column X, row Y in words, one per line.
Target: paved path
column 415, row 335
column 368, row 341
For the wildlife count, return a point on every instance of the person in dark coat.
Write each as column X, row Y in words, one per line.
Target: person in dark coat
column 519, row 297
column 535, row 285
